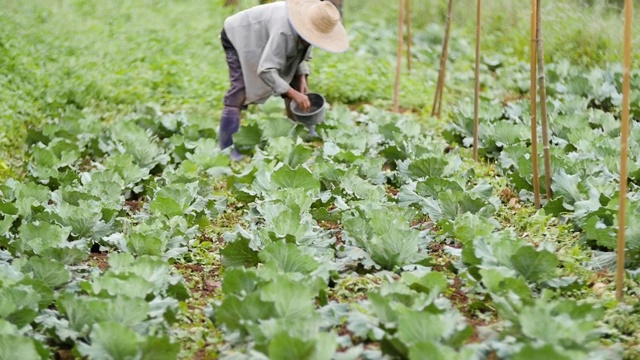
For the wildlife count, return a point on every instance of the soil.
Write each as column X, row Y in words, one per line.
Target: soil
column 134, row 205
column 202, row 282
column 63, row 354
column 423, row 224
column 329, row 225
column 506, row 195
column 461, row 301
column 101, row 260
column 339, row 240
column 513, row 98
column 203, row 354
column 392, row 191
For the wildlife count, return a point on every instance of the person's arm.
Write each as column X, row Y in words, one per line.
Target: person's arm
column 273, row 58
column 304, row 85
column 303, row 68
column 303, row 72
column 301, row 99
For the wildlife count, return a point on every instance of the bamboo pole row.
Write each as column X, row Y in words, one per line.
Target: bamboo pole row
column 444, row 55
column 404, row 18
column 624, row 148
column 542, row 85
column 537, row 66
column 476, row 100
column 396, row 87
column 408, row 22
column 534, row 109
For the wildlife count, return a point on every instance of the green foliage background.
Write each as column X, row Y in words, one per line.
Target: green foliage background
column 91, row 79
column 110, row 56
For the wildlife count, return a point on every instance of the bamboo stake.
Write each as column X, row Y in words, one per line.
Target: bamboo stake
column 534, row 110
column 396, row 88
column 624, row 148
column 476, row 102
column 408, row 22
column 542, row 84
column 437, row 101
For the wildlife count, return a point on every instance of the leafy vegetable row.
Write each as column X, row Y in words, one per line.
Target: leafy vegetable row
column 585, row 143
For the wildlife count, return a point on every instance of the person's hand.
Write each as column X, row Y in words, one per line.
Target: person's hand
column 301, row 99
column 304, row 86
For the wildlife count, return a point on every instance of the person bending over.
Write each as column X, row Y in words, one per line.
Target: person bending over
column 267, row 48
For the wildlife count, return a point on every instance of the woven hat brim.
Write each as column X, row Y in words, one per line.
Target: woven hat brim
column 336, row 41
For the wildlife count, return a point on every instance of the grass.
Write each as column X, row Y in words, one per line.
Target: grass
column 105, row 58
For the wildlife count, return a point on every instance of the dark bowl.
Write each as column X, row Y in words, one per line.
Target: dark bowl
column 315, row 115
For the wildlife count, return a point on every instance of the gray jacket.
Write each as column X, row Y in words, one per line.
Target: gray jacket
column 269, row 49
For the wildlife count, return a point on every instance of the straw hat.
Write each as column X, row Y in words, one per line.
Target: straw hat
column 318, row 22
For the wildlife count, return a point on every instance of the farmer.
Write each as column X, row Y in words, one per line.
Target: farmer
column 267, row 48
